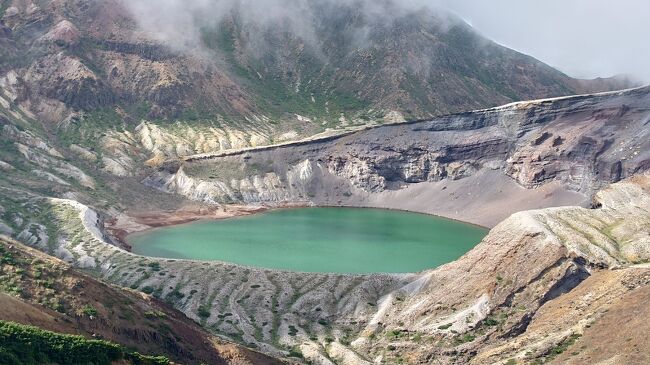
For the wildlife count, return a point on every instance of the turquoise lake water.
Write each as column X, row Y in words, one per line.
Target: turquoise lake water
column 341, row 240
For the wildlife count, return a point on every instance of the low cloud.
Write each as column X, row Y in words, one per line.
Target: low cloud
column 584, row 38
column 179, row 22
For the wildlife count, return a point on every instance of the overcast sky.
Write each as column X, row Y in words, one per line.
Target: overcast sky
column 584, row 38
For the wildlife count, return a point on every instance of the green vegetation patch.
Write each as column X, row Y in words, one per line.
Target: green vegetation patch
column 204, row 311
column 89, row 310
column 560, row 348
column 26, row 345
column 155, row 314
column 295, row 352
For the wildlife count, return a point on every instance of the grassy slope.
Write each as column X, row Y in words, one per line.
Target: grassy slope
column 43, row 291
column 29, row 345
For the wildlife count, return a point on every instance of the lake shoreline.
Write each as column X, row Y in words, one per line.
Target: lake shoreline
column 124, row 225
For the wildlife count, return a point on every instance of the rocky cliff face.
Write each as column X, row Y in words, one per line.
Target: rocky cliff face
column 581, row 143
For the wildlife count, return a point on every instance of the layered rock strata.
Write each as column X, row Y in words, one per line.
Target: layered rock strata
column 564, row 149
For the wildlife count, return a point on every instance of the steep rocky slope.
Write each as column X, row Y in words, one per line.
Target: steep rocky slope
column 507, row 293
column 40, row 290
column 67, row 59
column 472, row 165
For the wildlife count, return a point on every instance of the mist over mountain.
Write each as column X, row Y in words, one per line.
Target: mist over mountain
column 181, row 23
column 324, row 60
column 569, row 36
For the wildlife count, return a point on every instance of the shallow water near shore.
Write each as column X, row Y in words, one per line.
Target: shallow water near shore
column 340, row 240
